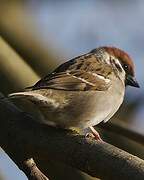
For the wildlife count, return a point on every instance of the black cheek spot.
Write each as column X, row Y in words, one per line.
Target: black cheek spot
column 118, row 67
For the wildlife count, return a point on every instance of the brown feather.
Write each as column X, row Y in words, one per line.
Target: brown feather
column 122, row 56
column 82, row 73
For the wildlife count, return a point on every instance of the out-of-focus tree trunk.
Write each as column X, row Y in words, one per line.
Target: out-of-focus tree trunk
column 14, row 68
column 17, row 27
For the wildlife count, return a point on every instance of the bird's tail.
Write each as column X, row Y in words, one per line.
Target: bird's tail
column 27, row 94
column 27, row 101
column 33, row 96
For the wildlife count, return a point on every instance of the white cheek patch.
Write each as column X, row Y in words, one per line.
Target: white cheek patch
column 118, row 65
column 117, row 68
column 107, row 59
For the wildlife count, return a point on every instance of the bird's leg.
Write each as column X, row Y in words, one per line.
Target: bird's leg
column 94, row 134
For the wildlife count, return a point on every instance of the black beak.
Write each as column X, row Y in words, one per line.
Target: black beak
column 131, row 81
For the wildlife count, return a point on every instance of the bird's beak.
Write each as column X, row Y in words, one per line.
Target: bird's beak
column 131, row 81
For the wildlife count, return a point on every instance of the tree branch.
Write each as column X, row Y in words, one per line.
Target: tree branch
column 14, row 68
column 121, row 128
column 22, row 138
column 18, row 28
column 31, row 170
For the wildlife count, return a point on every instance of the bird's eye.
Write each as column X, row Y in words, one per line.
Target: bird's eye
column 125, row 66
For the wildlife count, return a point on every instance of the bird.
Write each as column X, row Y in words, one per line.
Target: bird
column 83, row 91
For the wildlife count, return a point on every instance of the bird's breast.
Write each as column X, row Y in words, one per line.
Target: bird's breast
column 84, row 108
column 91, row 107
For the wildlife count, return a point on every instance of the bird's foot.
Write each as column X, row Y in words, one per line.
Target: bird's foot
column 94, row 134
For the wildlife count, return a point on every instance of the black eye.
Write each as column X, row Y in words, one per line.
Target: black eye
column 125, row 66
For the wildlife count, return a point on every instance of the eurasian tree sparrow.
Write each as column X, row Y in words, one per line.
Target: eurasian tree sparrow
column 85, row 90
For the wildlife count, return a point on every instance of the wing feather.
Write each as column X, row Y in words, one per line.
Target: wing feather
column 69, row 76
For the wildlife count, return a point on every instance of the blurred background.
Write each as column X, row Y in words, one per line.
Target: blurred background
column 36, row 36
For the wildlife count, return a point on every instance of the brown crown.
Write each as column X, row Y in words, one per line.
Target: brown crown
column 122, row 56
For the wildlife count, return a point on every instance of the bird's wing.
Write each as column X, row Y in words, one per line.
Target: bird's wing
column 78, row 74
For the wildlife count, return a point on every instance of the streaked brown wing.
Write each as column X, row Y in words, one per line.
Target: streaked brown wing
column 76, row 81
column 82, row 73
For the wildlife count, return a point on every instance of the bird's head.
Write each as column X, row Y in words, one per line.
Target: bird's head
column 125, row 62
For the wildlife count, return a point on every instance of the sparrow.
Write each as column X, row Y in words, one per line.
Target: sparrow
column 83, row 91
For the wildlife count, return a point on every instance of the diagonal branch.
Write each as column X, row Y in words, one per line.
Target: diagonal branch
column 31, row 170
column 120, row 128
column 14, row 68
column 23, row 138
